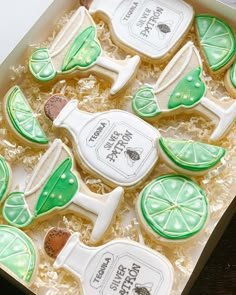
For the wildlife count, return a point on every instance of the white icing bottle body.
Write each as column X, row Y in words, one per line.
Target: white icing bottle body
column 119, row 267
column 117, row 145
column 149, row 27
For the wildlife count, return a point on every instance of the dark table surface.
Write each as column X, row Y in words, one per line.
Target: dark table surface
column 217, row 277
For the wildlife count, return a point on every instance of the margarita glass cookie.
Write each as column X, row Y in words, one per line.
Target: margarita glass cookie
column 230, row 80
column 77, row 51
column 121, row 148
column 18, row 255
column 172, row 208
column 151, row 28
column 118, row 267
column 55, row 187
column 217, row 42
column 180, row 88
column 5, row 178
column 22, row 120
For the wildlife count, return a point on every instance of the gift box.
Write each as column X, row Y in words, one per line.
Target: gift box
column 43, row 24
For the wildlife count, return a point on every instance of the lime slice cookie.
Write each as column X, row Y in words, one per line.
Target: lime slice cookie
column 172, row 207
column 217, row 41
column 18, row 256
column 191, row 156
column 230, row 80
column 5, row 176
column 22, row 119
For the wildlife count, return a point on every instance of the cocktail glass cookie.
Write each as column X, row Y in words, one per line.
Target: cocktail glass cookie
column 5, row 178
column 121, row 148
column 77, row 51
column 217, row 42
column 154, row 29
column 180, row 88
column 118, row 267
column 230, row 80
column 56, row 187
column 172, row 208
column 22, row 119
column 18, row 255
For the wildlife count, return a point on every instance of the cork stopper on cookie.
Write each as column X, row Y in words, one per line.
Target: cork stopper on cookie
column 55, row 240
column 85, row 3
column 54, row 105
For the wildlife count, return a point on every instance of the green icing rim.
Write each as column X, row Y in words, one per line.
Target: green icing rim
column 26, row 241
column 144, row 195
column 14, row 123
column 232, row 74
column 4, row 182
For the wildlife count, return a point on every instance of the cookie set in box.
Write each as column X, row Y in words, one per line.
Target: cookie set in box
column 117, row 149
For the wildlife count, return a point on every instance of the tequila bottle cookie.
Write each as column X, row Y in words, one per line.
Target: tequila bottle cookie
column 179, row 88
column 118, row 267
column 55, row 187
column 121, row 148
column 151, row 28
column 18, row 254
column 77, row 51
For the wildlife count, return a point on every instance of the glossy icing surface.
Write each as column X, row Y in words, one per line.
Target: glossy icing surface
column 191, row 155
column 4, row 177
column 174, row 207
column 23, row 119
column 17, row 253
column 83, row 52
column 233, row 74
column 217, row 40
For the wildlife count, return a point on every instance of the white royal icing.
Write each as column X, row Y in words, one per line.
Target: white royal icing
column 119, row 267
column 151, row 27
column 115, row 144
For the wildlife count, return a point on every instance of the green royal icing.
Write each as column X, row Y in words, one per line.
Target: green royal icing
column 41, row 66
column 174, row 207
column 59, row 189
column 144, row 103
column 232, row 74
column 191, row 155
column 217, row 40
column 83, row 52
column 188, row 91
column 17, row 252
column 4, row 178
column 23, row 118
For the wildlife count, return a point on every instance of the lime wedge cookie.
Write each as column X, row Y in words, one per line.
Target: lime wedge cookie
column 5, row 178
column 172, row 208
column 217, row 42
column 191, row 157
column 230, row 80
column 18, row 255
column 22, row 120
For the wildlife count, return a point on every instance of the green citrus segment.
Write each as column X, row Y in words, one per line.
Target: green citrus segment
column 232, row 73
column 217, row 40
column 23, row 118
column 144, row 103
column 174, row 207
column 4, row 178
column 191, row 155
column 83, row 52
column 188, row 91
column 17, row 252
column 15, row 210
column 41, row 66
column 59, row 189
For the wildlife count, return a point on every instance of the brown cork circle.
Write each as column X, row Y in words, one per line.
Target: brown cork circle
column 54, row 105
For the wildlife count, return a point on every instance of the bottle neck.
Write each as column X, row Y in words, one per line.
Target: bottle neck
column 107, row 7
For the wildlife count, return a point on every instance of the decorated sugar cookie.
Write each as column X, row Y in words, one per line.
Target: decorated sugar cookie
column 21, row 118
column 121, row 148
column 180, row 88
column 230, row 80
column 55, row 187
column 18, row 255
column 217, row 42
column 5, row 178
column 118, row 267
column 172, row 208
column 77, row 51
column 151, row 28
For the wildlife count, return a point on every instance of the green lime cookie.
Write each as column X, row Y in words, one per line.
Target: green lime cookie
column 173, row 207
column 4, row 178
